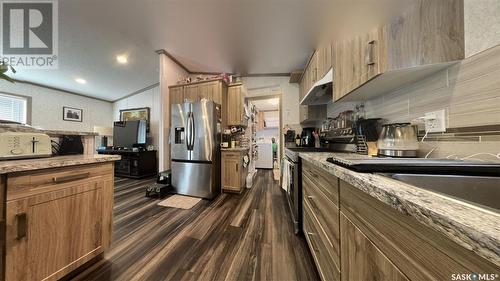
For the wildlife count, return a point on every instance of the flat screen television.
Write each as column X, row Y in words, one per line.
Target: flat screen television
column 129, row 134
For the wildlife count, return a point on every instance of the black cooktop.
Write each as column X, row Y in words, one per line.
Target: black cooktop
column 419, row 165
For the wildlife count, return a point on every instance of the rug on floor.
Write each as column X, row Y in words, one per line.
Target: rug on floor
column 180, row 202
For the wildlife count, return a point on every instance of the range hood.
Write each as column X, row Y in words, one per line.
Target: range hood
column 321, row 91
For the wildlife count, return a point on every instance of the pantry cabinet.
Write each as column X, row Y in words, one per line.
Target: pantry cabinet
column 235, row 107
column 427, row 38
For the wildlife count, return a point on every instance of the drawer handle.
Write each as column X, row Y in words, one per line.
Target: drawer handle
column 313, row 244
column 70, row 178
column 21, row 225
column 311, row 199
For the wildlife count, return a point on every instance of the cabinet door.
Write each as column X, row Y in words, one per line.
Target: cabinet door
column 372, row 45
column 350, row 65
column 192, row 93
column 50, row 234
column 211, row 91
column 176, row 95
column 361, row 259
column 231, row 172
column 324, row 60
column 235, row 103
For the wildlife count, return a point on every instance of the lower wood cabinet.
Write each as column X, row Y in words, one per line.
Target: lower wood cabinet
column 355, row 237
column 56, row 220
column 361, row 259
column 321, row 219
column 233, row 173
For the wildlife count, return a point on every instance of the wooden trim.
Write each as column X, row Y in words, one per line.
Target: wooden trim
column 163, row 52
column 138, row 91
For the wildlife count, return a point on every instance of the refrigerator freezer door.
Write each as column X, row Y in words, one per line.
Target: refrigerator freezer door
column 179, row 132
column 195, row 179
column 205, row 131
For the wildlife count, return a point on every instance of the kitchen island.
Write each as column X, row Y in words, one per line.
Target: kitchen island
column 364, row 224
column 56, row 214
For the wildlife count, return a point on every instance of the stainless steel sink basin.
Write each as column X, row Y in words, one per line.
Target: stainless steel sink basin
column 482, row 191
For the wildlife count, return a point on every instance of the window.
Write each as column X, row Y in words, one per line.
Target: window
column 13, row 108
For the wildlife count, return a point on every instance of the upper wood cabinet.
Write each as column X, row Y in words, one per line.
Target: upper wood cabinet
column 427, row 38
column 176, row 95
column 324, row 59
column 235, row 106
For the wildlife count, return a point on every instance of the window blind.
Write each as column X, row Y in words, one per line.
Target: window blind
column 12, row 108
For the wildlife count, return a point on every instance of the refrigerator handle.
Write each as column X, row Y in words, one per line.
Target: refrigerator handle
column 190, row 131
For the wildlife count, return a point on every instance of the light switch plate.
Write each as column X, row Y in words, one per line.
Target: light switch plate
column 435, row 122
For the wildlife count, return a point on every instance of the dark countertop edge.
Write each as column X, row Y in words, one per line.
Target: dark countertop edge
column 441, row 223
column 24, row 165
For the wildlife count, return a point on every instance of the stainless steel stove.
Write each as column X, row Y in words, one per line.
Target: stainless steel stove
column 294, row 187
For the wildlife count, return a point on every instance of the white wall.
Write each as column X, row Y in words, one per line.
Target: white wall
column 149, row 99
column 170, row 73
column 47, row 107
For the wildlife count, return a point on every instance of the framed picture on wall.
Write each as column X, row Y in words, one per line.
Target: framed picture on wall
column 132, row 114
column 72, row 114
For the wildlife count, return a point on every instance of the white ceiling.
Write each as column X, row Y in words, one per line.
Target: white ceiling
column 236, row 36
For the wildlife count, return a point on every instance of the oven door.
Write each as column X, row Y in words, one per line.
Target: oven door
column 293, row 195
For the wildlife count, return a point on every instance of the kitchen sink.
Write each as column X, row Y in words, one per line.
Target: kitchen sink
column 478, row 190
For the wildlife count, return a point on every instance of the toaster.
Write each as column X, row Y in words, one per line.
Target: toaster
column 17, row 145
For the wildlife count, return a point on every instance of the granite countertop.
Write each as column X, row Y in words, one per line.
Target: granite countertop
column 235, row 148
column 470, row 226
column 52, row 133
column 12, row 166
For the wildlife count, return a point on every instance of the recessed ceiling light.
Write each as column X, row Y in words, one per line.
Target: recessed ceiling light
column 81, row 81
column 122, row 59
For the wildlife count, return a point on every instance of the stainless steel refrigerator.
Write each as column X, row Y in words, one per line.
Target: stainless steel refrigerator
column 195, row 148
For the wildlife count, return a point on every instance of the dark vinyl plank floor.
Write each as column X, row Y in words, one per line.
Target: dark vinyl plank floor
column 233, row 237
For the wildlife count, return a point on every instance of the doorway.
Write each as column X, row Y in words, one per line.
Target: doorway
column 266, row 131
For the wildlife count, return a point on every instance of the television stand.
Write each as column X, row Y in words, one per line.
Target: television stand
column 134, row 164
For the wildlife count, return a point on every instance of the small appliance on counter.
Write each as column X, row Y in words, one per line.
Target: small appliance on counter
column 18, row 145
column 398, row 140
column 307, row 138
column 71, row 145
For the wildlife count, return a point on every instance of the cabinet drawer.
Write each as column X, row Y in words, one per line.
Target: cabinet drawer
column 325, row 215
column 328, row 184
column 324, row 262
column 35, row 182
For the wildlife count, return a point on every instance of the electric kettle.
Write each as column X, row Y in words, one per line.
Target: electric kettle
column 398, row 140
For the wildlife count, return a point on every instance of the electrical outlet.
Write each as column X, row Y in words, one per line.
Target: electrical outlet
column 435, row 122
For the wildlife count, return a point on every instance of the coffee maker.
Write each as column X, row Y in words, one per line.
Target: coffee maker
column 307, row 138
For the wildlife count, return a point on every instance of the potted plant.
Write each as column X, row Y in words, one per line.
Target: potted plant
column 4, row 67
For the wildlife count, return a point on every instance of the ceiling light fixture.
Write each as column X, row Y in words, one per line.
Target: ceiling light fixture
column 122, row 59
column 80, row 81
